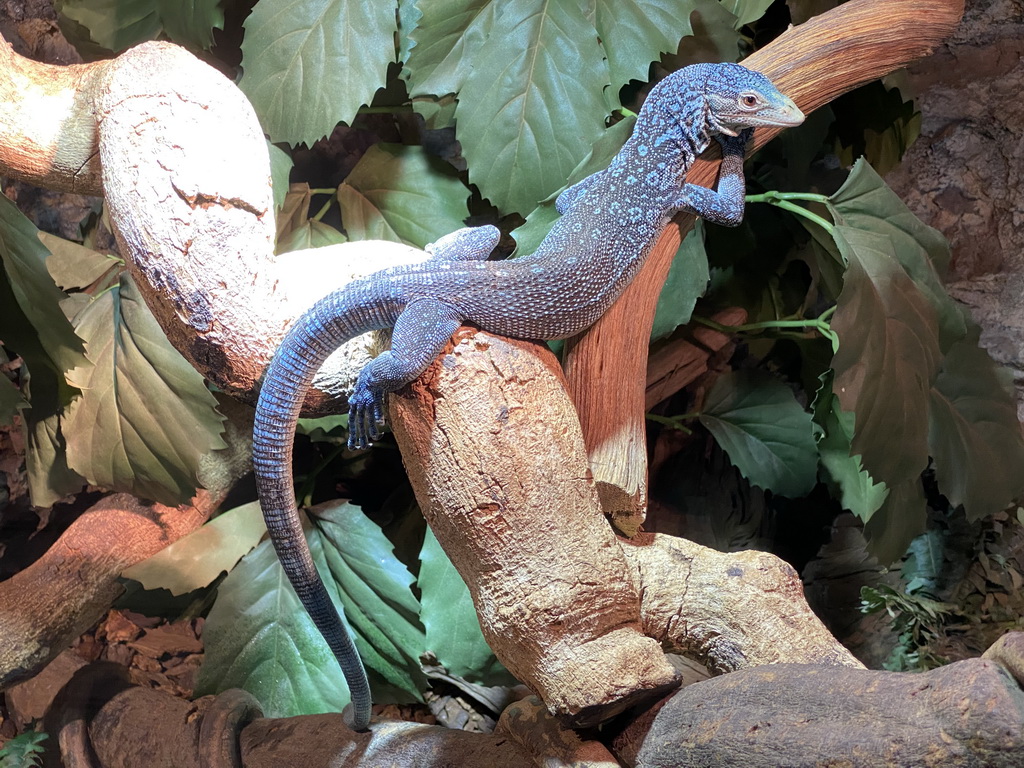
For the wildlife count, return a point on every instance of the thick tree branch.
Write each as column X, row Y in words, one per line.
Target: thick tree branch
column 831, row 54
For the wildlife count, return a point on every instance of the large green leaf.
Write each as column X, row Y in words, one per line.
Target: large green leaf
column 865, row 202
column 637, row 32
column 312, row 234
column 75, row 266
column 402, row 194
column 120, row 24
column 280, row 172
column 897, row 522
column 35, row 296
column 765, row 431
column 974, row 435
column 888, row 354
column 258, row 637
column 145, row 417
column 449, row 35
column 686, row 282
column 852, row 486
column 449, row 618
column 191, row 23
column 530, row 79
column 310, row 65
column 196, row 560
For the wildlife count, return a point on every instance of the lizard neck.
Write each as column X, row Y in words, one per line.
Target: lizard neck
column 673, row 128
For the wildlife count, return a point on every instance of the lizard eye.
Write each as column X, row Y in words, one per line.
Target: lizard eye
column 748, row 100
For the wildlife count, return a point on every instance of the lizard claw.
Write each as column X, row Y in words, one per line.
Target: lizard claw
column 735, row 145
column 365, row 412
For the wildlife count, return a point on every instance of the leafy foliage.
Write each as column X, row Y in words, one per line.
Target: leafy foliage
column 145, row 416
column 449, row 618
column 44, row 337
column 195, row 561
column 259, row 638
column 309, row 66
column 401, row 194
column 23, row 751
column 119, row 24
column 765, row 431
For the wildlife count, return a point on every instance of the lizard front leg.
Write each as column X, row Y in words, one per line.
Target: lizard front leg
column 420, row 334
column 725, row 205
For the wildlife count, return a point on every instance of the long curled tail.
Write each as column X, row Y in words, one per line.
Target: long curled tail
column 315, row 335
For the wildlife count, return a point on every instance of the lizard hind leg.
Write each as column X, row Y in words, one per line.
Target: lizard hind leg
column 421, row 332
column 466, row 244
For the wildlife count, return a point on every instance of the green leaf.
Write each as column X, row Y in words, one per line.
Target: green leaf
column 686, row 282
column 766, row 433
column 332, row 428
column 898, row 521
column 23, row 751
column 636, row 32
column 280, row 172
column 309, row 66
column 120, row 24
column 974, row 435
column 530, row 87
column 312, row 234
column 258, row 636
column 853, row 487
column 145, row 417
column 75, row 266
column 746, row 11
column 24, row 261
column 191, row 23
column 449, row 35
column 46, row 463
column 865, row 202
column 401, row 194
column 452, row 628
column 925, row 562
column 196, row 560
column 888, row 355
column 114, row 24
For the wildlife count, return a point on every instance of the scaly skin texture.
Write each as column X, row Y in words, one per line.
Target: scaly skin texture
column 609, row 223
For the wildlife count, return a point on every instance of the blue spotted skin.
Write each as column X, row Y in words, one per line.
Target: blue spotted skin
column 609, row 223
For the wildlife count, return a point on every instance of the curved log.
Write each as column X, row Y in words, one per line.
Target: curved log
column 831, row 54
column 178, row 153
column 67, row 590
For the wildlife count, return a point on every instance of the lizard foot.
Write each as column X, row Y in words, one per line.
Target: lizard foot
column 365, row 413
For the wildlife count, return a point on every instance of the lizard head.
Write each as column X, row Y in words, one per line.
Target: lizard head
column 740, row 98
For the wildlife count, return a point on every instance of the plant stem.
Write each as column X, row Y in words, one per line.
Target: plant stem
column 819, row 324
column 784, row 200
column 674, row 422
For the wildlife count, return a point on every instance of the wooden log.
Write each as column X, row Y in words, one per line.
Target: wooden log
column 970, row 713
column 831, row 54
column 496, row 459
column 727, row 610
column 67, row 590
